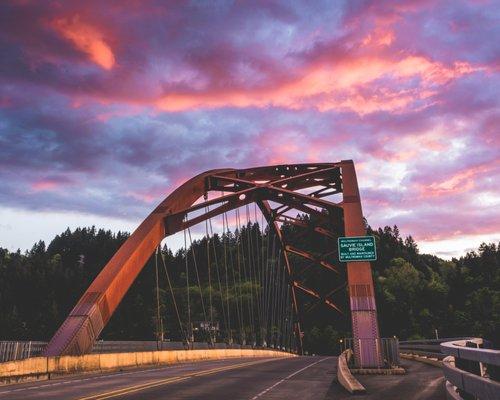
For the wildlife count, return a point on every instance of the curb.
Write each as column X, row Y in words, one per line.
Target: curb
column 344, row 376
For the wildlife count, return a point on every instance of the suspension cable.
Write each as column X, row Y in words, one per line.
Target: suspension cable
column 217, row 271
column 273, row 294
column 238, row 257
column 251, row 280
column 275, row 298
column 266, row 281
column 264, row 243
column 282, row 303
column 211, row 327
column 247, row 278
column 289, row 326
column 197, row 275
column 162, row 255
column 235, row 291
column 230, row 337
column 252, row 269
column 159, row 330
column 258, row 270
column 190, row 326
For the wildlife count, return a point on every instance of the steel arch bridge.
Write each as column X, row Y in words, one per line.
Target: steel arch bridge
column 276, row 190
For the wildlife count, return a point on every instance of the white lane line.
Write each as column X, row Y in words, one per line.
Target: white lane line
column 286, row 378
column 110, row 375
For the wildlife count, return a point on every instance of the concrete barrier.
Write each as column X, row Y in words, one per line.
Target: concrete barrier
column 39, row 368
column 344, row 376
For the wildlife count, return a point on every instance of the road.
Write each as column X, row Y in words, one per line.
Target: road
column 421, row 382
column 249, row 379
column 293, row 378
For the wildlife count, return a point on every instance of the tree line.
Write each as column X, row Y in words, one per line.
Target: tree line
column 418, row 295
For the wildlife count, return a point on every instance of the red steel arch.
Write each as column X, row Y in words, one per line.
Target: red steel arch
column 281, row 184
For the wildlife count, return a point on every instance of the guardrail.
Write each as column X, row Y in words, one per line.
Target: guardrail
column 426, row 347
column 42, row 368
column 19, row 350
column 125, row 346
column 14, row 350
column 471, row 372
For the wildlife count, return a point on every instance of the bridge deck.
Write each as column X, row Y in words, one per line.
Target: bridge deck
column 252, row 379
column 222, row 379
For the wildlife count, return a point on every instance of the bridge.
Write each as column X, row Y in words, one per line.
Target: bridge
column 236, row 329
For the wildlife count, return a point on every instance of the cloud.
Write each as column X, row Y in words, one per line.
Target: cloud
column 87, row 39
column 107, row 107
column 340, row 85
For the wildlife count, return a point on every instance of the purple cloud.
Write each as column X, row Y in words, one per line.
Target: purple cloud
column 104, row 109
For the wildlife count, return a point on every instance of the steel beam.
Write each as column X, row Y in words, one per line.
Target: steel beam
column 359, row 277
column 281, row 184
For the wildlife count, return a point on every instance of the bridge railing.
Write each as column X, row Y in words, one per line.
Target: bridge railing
column 471, row 371
column 18, row 350
column 426, row 347
column 15, row 350
column 387, row 348
column 124, row 346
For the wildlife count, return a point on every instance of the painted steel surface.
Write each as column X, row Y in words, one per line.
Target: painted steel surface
column 281, row 184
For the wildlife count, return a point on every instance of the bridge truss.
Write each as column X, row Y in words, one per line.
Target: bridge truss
column 280, row 193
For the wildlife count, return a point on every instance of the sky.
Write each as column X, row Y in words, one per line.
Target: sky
column 107, row 106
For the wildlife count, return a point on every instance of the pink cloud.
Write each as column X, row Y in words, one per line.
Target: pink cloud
column 144, row 196
column 339, row 84
column 86, row 38
column 143, row 96
column 44, row 185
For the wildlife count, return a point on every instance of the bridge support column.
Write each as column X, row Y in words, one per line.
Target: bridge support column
column 367, row 350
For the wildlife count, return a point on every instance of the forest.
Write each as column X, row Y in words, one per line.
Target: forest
column 418, row 295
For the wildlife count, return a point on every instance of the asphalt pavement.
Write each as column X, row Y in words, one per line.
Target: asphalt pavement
column 421, row 382
column 247, row 378
column 263, row 378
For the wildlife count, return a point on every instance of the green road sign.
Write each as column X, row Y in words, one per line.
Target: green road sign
column 357, row 248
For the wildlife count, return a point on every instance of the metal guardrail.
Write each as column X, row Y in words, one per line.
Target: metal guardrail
column 388, row 349
column 15, row 350
column 129, row 346
column 471, row 372
column 426, row 347
column 18, row 350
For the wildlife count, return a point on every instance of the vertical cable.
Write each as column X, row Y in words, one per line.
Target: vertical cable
column 217, row 271
column 158, row 333
column 183, row 335
column 210, row 328
column 252, row 274
column 238, row 299
column 258, row 270
column 230, row 337
column 247, row 278
column 284, row 288
column 190, row 326
column 197, row 275
column 240, row 281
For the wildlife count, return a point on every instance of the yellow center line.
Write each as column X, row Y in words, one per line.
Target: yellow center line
column 125, row 391
column 130, row 388
column 166, row 381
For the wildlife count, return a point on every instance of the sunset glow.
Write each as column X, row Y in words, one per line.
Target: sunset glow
column 87, row 39
column 106, row 107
